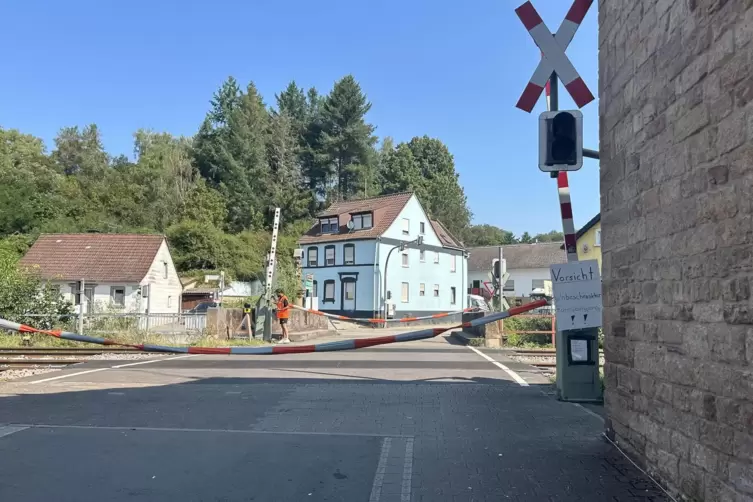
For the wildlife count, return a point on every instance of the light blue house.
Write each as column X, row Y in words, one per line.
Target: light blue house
column 348, row 249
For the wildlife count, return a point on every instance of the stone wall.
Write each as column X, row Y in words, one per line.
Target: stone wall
column 676, row 123
column 224, row 322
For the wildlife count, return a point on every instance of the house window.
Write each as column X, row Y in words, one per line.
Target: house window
column 350, row 290
column 362, row 221
column 436, row 290
column 597, row 238
column 117, row 296
column 316, row 289
column 406, row 226
column 169, row 302
column 509, row 285
column 313, row 256
column 537, row 283
column 404, row 293
column 422, row 289
column 329, row 225
column 476, row 285
column 436, row 257
column 329, row 255
column 422, row 256
column 453, row 263
column 452, row 295
column 405, row 258
column 349, row 254
column 329, row 292
column 422, row 228
column 165, row 269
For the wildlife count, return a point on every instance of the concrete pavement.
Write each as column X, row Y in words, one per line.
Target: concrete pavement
column 424, row 421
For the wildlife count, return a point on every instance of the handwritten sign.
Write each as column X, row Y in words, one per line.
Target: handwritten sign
column 577, row 294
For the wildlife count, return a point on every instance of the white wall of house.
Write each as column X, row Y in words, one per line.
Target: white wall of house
column 164, row 284
column 521, row 279
column 104, row 296
column 435, row 269
column 411, row 219
column 325, row 272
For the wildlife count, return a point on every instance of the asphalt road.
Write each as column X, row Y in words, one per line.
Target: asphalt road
column 424, row 421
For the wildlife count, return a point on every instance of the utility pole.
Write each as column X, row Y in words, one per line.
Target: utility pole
column 271, row 261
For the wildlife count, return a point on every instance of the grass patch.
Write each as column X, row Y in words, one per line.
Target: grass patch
column 476, row 342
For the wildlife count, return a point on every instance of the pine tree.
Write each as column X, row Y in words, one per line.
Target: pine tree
column 347, row 140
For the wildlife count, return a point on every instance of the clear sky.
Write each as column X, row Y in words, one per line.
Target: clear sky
column 452, row 70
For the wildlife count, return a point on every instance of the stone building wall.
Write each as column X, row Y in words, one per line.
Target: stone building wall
column 676, row 125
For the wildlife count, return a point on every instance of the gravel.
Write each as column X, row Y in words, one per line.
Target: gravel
column 15, row 373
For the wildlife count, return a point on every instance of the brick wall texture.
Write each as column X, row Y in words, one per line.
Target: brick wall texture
column 676, row 125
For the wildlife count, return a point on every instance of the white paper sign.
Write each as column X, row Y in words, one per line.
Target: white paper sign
column 577, row 294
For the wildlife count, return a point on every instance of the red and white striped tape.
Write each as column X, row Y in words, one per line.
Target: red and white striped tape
column 553, row 54
column 379, row 320
column 280, row 349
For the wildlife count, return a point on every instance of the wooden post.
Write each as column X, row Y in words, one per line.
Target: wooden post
column 554, row 331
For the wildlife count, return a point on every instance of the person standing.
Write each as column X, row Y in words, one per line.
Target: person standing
column 283, row 314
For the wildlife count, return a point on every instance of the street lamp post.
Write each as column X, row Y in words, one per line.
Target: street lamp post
column 418, row 242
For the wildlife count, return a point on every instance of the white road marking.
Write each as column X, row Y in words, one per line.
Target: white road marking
column 590, row 412
column 376, row 486
column 501, row 366
column 116, row 393
column 7, row 430
column 407, row 471
column 225, row 431
column 150, row 361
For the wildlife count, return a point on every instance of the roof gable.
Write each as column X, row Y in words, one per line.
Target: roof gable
column 385, row 209
column 444, row 235
column 94, row 257
column 517, row 256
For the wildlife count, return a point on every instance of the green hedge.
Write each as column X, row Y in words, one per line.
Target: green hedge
column 517, row 324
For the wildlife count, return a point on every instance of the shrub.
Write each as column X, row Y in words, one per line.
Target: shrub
column 515, row 325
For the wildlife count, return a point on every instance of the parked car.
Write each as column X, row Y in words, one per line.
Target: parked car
column 202, row 308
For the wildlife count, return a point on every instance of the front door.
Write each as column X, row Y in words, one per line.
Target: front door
column 348, row 294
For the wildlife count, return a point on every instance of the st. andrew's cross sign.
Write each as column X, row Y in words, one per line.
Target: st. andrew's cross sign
column 553, row 58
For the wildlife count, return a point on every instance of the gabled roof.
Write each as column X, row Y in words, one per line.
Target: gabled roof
column 585, row 228
column 517, row 256
column 444, row 235
column 385, row 208
column 123, row 258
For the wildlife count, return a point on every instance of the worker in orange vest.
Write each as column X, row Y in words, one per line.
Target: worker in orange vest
column 283, row 313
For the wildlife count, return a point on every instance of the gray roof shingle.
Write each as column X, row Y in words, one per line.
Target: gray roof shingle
column 517, row 256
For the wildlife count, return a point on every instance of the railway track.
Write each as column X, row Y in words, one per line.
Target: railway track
column 62, row 351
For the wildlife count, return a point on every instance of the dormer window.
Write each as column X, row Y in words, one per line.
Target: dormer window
column 329, row 225
column 362, row 220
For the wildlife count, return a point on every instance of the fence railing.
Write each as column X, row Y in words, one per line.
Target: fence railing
column 107, row 323
column 552, row 331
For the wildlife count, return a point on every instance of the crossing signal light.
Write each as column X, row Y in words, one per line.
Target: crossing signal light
column 496, row 269
column 561, row 141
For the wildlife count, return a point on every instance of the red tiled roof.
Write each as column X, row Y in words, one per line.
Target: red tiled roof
column 444, row 235
column 94, row 257
column 385, row 208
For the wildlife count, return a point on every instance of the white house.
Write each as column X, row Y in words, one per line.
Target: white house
column 120, row 272
column 355, row 247
column 527, row 264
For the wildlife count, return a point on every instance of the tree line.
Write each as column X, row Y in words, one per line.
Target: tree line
column 213, row 195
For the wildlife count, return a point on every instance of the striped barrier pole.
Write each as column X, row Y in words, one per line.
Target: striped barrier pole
column 280, row 349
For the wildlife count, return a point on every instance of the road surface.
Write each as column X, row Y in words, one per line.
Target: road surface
column 427, row 421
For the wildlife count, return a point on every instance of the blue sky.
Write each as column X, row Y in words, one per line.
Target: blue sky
column 451, row 70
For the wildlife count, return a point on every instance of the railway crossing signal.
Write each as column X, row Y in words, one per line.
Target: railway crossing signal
column 561, row 141
column 553, row 58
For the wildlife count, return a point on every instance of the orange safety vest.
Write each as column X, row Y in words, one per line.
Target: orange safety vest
column 283, row 308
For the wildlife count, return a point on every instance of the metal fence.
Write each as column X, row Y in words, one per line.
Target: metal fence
column 110, row 323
